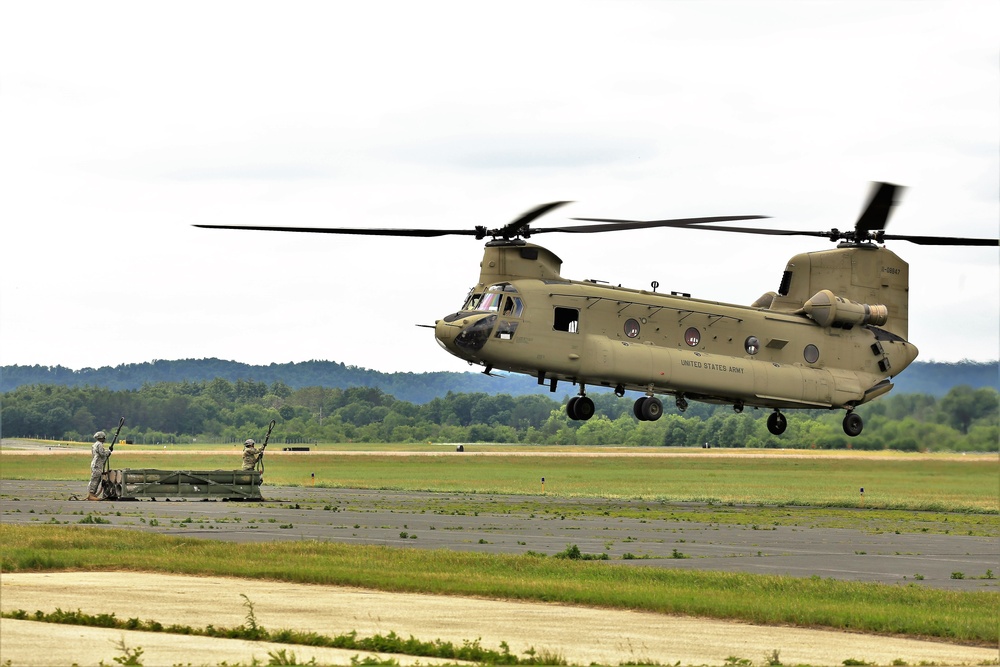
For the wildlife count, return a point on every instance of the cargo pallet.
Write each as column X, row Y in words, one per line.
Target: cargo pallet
column 137, row 483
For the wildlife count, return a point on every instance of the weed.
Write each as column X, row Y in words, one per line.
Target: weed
column 254, row 630
column 958, row 575
column 280, row 657
column 90, row 518
column 129, row 656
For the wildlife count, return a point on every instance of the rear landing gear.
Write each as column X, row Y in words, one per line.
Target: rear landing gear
column 776, row 423
column 580, row 408
column 648, row 409
column 853, row 424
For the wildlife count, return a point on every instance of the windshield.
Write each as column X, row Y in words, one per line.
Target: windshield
column 496, row 299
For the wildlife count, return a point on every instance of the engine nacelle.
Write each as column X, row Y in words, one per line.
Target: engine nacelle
column 827, row 309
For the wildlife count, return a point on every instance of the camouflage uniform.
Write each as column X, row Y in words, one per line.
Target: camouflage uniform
column 250, row 455
column 101, row 454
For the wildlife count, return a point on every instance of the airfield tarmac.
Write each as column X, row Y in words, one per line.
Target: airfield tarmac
column 431, row 521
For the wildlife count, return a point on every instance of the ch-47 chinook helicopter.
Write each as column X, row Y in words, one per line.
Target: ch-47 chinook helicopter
column 832, row 336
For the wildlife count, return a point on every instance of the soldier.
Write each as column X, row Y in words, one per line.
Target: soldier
column 251, row 454
column 101, row 454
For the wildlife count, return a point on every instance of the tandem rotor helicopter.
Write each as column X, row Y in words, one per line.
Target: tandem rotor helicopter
column 833, row 335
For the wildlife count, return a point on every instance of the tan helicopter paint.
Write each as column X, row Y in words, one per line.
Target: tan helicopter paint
column 862, row 285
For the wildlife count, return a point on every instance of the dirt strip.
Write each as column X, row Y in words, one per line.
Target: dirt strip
column 580, row 635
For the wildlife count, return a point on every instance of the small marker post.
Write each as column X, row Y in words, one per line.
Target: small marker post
column 543, row 485
column 313, row 475
column 862, row 496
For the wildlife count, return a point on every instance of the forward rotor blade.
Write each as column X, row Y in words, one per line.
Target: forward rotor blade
column 613, row 224
column 519, row 225
column 354, row 230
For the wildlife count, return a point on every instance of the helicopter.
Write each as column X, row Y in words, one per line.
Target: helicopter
column 832, row 336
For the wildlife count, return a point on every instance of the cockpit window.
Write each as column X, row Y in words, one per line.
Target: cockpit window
column 512, row 306
column 498, row 298
column 472, row 301
column 490, row 301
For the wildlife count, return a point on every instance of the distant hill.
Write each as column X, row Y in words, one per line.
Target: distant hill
column 931, row 378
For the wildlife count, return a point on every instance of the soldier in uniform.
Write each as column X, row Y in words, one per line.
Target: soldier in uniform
column 251, row 454
column 101, row 454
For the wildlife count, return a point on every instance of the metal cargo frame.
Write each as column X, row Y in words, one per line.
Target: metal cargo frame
column 136, row 483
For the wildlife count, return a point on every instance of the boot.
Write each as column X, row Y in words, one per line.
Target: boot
column 91, row 496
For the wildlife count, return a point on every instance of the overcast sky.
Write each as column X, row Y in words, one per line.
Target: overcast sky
column 124, row 123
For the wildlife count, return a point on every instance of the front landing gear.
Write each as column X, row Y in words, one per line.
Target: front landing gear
column 853, row 424
column 776, row 423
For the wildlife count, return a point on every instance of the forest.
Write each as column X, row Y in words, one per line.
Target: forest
column 922, row 377
column 222, row 411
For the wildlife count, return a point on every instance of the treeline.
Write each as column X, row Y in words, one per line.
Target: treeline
column 414, row 387
column 933, row 378
column 965, row 419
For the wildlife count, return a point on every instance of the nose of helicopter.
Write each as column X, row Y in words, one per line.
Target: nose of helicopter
column 464, row 333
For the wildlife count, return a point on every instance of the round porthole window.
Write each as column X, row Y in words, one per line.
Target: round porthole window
column 692, row 336
column 631, row 328
column 751, row 345
column 811, row 353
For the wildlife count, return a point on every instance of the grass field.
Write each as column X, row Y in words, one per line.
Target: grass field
column 951, row 483
column 815, row 602
column 906, row 493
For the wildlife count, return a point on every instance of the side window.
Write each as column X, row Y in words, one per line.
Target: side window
column 566, row 319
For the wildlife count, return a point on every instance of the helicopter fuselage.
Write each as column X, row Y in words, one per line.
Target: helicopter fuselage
column 525, row 318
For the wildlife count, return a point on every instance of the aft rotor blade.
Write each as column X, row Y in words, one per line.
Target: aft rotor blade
column 940, row 240
column 880, row 204
column 352, row 230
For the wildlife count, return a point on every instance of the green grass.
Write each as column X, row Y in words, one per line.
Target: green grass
column 874, row 608
column 945, row 483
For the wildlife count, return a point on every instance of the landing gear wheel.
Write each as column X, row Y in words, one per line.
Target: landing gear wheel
column 652, row 409
column 637, row 407
column 776, row 423
column 580, row 408
column 853, row 424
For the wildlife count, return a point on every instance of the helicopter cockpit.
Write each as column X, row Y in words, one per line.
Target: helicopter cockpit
column 495, row 313
column 501, row 299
